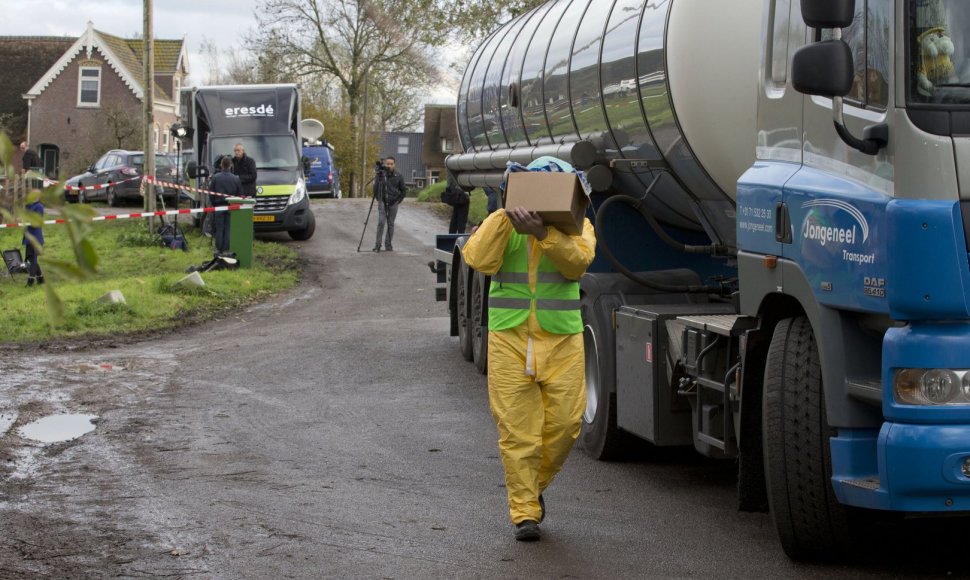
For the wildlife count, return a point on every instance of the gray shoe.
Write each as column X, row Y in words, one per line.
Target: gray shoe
column 527, row 531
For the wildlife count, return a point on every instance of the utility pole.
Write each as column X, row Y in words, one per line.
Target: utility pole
column 148, row 57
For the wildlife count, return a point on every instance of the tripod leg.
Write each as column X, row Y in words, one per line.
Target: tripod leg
column 367, row 219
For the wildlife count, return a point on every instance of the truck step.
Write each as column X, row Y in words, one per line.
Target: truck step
column 723, row 324
column 870, row 483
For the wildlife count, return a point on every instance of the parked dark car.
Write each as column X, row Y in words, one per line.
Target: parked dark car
column 113, row 169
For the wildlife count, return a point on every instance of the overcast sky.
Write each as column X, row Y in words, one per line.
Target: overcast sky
column 224, row 23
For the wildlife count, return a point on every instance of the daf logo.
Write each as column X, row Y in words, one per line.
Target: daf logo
column 259, row 189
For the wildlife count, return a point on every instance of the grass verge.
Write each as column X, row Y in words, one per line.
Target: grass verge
column 146, row 274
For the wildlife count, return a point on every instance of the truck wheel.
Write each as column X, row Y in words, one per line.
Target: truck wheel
column 600, row 436
column 479, row 324
column 811, row 523
column 307, row 232
column 464, row 322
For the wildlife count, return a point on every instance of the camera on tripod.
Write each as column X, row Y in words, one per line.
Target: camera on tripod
column 379, row 166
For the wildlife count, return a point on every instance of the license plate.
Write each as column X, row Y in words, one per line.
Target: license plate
column 264, row 218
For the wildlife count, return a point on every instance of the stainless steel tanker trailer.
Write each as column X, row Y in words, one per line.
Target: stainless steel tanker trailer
column 781, row 201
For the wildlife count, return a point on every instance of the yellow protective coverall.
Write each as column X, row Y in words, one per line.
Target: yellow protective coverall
column 536, row 379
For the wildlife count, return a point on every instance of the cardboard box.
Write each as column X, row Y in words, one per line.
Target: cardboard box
column 557, row 197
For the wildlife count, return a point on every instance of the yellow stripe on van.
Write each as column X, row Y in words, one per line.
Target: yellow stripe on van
column 284, row 189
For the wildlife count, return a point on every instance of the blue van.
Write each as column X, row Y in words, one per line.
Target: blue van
column 323, row 177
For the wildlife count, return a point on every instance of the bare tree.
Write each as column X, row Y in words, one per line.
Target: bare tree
column 352, row 42
column 124, row 126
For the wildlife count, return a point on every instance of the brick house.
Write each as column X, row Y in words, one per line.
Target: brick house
column 440, row 139
column 90, row 100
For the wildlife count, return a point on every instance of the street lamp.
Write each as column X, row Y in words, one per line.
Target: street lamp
column 179, row 132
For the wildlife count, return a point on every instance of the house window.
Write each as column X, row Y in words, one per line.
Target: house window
column 165, row 142
column 402, row 145
column 447, row 144
column 89, row 86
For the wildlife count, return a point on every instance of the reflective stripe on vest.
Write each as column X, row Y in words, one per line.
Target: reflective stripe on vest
column 510, row 300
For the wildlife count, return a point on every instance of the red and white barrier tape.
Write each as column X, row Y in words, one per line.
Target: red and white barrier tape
column 49, row 182
column 156, row 181
column 141, row 214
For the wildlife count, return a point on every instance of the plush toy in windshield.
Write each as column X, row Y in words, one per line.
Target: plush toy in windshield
column 936, row 66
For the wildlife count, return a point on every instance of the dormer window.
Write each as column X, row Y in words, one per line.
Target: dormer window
column 89, row 86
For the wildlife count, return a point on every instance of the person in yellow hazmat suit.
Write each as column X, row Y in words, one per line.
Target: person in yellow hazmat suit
column 536, row 366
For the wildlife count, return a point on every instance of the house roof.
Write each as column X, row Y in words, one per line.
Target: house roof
column 124, row 56
column 25, row 59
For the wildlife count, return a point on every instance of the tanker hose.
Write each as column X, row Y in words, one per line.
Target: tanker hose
column 601, row 242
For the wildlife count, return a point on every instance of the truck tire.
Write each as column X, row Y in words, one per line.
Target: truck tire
column 600, row 436
column 464, row 321
column 811, row 523
column 307, row 232
column 479, row 323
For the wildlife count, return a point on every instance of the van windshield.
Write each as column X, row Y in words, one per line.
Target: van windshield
column 939, row 41
column 269, row 151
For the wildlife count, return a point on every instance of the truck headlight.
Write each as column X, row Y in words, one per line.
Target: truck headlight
column 299, row 193
column 932, row 386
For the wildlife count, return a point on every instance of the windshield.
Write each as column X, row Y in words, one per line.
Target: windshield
column 160, row 160
column 269, row 151
column 939, row 41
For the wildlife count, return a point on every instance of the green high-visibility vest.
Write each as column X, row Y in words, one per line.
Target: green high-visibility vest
column 510, row 299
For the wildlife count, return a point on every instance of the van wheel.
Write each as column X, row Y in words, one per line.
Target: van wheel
column 479, row 323
column 811, row 523
column 307, row 232
column 464, row 322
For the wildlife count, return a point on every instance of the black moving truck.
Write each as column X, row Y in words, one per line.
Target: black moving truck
column 265, row 119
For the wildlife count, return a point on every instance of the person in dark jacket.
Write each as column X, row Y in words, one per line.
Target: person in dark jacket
column 244, row 167
column 34, row 275
column 389, row 190
column 459, row 200
column 228, row 184
column 30, row 158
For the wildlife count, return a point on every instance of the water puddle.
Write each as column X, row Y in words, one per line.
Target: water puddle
column 6, row 420
column 58, row 428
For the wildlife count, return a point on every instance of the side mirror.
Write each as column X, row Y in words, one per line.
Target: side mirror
column 90, row 169
column 306, row 165
column 823, row 68
column 828, row 13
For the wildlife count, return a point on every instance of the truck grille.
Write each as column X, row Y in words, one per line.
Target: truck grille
column 273, row 204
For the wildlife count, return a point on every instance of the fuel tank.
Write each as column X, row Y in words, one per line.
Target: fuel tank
column 666, row 86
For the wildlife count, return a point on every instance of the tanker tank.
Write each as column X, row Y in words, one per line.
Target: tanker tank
column 627, row 86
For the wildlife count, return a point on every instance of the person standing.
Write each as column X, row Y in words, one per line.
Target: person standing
column 33, row 243
column 459, row 200
column 493, row 200
column 389, row 190
column 244, row 167
column 30, row 159
column 226, row 183
column 536, row 364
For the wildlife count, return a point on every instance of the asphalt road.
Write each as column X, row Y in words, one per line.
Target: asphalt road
column 336, row 432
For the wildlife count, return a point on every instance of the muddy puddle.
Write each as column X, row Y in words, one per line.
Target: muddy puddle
column 58, row 428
